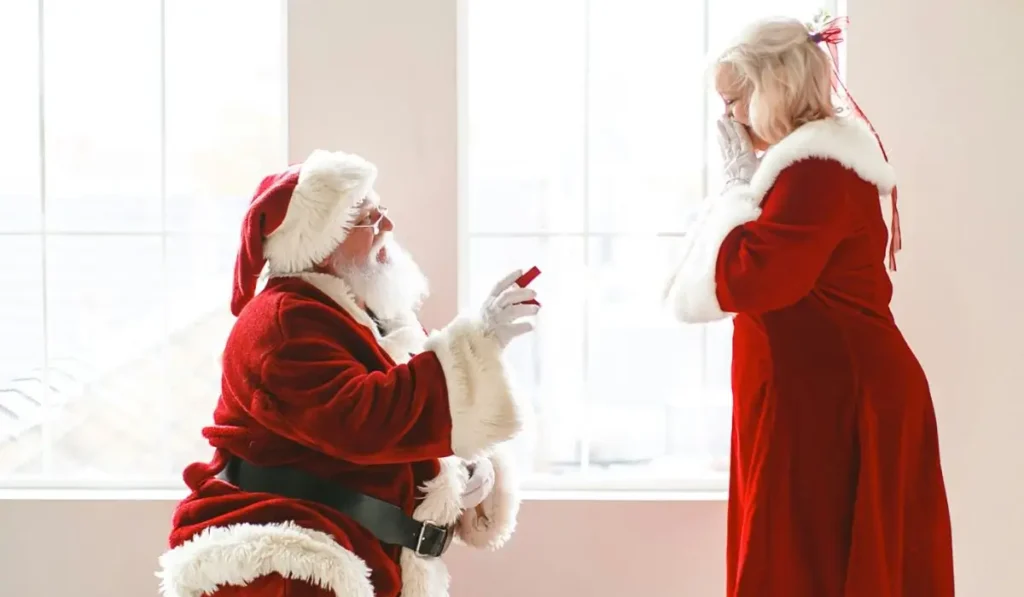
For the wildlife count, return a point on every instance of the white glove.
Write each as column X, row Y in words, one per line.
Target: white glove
column 480, row 485
column 502, row 308
column 737, row 152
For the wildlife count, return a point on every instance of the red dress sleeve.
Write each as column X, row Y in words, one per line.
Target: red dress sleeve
column 738, row 259
column 316, row 391
column 775, row 261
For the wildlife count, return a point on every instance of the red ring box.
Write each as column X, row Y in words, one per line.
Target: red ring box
column 524, row 281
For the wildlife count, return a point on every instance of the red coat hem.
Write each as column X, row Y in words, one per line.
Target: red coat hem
column 238, row 554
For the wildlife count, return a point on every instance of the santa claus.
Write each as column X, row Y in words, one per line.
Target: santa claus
column 350, row 447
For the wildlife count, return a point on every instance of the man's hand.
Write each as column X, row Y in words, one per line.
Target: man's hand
column 480, row 485
column 504, row 308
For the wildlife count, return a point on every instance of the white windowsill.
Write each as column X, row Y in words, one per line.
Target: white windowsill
column 539, row 489
column 542, row 495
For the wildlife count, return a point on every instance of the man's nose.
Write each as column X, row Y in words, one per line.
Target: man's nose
column 386, row 225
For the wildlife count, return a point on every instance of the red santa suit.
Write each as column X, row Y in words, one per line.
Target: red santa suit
column 836, row 487
column 310, row 381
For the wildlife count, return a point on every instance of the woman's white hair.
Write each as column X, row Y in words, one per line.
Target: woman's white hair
column 785, row 74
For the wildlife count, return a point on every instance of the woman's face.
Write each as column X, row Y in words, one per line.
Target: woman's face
column 737, row 102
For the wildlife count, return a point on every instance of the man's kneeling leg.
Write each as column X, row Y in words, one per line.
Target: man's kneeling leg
column 273, row 585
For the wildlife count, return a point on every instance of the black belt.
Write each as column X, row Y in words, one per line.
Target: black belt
column 386, row 521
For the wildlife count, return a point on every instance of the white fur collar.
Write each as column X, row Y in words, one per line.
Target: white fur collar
column 403, row 337
column 847, row 140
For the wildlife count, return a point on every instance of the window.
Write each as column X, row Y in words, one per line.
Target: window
column 589, row 136
column 134, row 133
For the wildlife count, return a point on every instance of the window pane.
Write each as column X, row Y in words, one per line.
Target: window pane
column 625, row 313
column 102, row 109
column 19, row 117
column 646, row 132
column 199, row 273
column 549, row 363
column 649, row 153
column 22, row 397
column 225, row 109
column 723, row 25
column 525, row 87
column 655, row 446
column 637, row 418
column 106, row 321
column 135, row 103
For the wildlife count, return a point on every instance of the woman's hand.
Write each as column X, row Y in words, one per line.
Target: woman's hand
column 738, row 155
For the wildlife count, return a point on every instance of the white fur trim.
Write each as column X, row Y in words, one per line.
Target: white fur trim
column 325, row 201
column 691, row 292
column 483, row 405
column 441, row 505
column 404, row 342
column 239, row 554
column 500, row 509
column 847, row 140
column 404, row 336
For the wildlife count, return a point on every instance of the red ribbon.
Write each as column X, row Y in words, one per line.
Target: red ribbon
column 831, row 34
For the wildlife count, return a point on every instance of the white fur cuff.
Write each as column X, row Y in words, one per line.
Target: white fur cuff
column 483, row 407
column 692, row 292
column 491, row 524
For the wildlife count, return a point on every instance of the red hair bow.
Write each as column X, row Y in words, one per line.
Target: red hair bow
column 831, row 34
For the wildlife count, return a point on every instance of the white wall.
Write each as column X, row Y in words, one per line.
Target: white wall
column 378, row 76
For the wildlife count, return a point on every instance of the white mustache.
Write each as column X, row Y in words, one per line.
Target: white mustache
column 379, row 243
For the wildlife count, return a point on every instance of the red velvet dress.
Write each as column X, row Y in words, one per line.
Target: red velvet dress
column 836, row 488
column 310, row 381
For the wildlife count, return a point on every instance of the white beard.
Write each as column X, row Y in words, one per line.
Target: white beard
column 391, row 290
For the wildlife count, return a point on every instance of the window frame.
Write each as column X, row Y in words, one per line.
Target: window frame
column 142, row 487
column 583, row 482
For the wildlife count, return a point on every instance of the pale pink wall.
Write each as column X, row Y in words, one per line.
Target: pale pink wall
column 378, row 76
column 944, row 82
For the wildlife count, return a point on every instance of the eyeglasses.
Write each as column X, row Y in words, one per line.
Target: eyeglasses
column 375, row 220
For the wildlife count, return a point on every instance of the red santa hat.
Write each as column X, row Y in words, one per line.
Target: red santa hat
column 298, row 217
